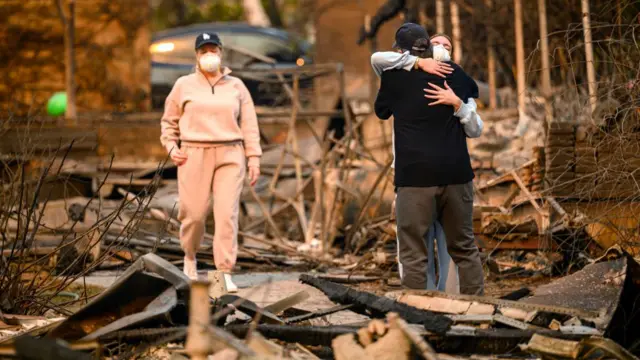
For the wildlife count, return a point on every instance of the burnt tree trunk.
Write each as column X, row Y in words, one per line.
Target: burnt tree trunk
column 254, row 13
column 273, row 11
column 68, row 21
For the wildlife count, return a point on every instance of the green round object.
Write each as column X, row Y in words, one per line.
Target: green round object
column 57, row 104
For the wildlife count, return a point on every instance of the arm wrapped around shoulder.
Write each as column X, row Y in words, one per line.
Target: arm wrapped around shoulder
column 388, row 60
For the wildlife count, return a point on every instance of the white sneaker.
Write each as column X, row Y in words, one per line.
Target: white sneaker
column 231, row 287
column 190, row 269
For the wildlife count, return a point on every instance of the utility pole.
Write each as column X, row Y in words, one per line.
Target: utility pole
column 455, row 24
column 544, row 54
column 68, row 21
column 440, row 16
column 255, row 14
column 491, row 58
column 588, row 48
column 520, row 58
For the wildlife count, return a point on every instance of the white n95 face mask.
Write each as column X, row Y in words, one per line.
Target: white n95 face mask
column 440, row 53
column 210, row 62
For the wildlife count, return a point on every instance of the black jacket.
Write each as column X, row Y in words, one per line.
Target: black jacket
column 430, row 142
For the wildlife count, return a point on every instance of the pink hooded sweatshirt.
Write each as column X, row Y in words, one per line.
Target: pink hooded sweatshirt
column 201, row 114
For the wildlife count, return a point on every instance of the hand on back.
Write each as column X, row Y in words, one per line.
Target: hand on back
column 435, row 67
column 444, row 96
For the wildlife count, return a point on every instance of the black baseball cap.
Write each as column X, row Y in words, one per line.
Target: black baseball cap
column 407, row 34
column 208, row 38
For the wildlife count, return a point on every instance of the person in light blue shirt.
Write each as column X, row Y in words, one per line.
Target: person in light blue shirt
column 473, row 125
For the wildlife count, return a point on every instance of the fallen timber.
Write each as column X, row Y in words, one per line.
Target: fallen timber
column 555, row 314
column 613, row 320
column 455, row 341
column 375, row 306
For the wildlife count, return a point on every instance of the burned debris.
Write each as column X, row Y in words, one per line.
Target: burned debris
column 334, row 198
column 555, row 216
column 377, row 307
column 427, row 325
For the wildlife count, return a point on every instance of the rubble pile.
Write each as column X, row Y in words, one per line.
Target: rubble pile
column 154, row 311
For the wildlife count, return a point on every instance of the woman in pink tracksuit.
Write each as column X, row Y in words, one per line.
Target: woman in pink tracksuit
column 210, row 130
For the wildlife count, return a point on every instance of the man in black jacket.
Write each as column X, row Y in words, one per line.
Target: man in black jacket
column 433, row 171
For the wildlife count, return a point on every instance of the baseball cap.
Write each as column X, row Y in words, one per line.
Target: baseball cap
column 407, row 34
column 208, row 38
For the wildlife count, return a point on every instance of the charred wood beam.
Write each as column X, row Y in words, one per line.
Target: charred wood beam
column 517, row 295
column 376, row 306
column 317, row 314
column 627, row 312
column 304, row 335
column 250, row 308
column 481, row 341
column 498, row 241
column 491, row 341
column 29, row 348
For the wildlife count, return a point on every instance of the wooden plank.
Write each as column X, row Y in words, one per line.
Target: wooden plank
column 505, row 177
column 124, row 181
column 512, row 195
column 524, row 189
column 288, row 302
column 531, row 242
column 15, row 140
column 551, row 347
column 436, row 304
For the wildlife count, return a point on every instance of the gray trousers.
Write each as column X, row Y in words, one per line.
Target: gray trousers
column 415, row 209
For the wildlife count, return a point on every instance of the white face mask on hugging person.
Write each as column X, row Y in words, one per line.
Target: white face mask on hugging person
column 440, row 53
column 210, row 62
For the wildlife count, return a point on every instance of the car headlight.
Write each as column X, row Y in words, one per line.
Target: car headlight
column 162, row 47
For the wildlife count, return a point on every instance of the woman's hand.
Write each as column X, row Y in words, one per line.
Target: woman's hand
column 444, row 96
column 178, row 156
column 435, row 67
column 254, row 174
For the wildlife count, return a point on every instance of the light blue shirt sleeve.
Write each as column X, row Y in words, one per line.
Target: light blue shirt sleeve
column 470, row 119
column 388, row 60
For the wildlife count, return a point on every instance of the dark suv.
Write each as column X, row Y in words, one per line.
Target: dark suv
column 173, row 55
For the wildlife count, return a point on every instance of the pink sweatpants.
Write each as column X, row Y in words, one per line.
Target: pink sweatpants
column 219, row 170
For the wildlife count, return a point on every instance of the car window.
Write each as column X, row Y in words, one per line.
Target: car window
column 180, row 49
column 174, row 50
column 265, row 45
